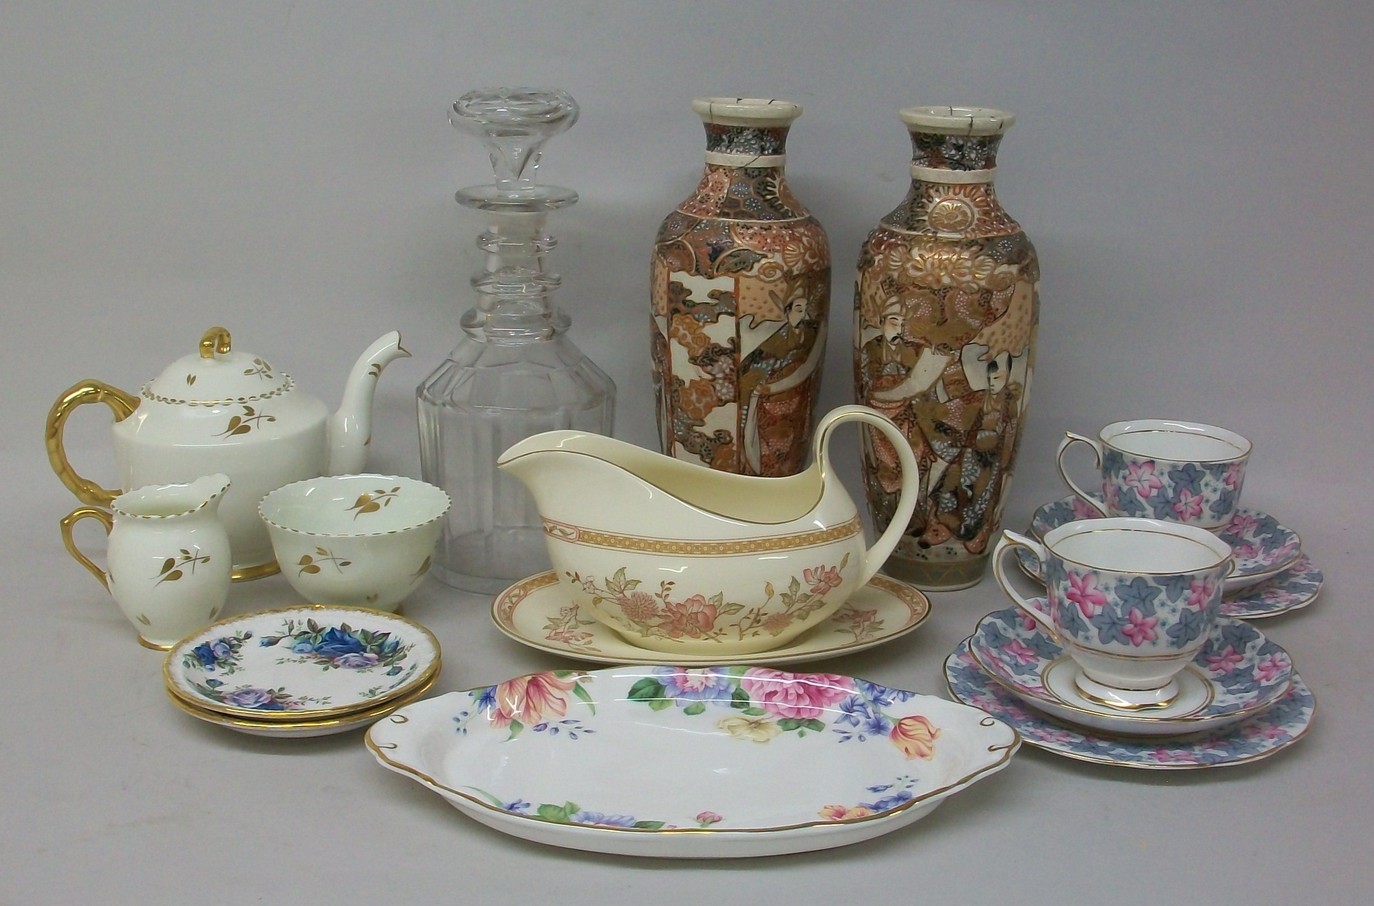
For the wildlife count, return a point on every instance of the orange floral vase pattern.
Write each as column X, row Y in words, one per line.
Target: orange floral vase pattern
column 946, row 308
column 740, row 287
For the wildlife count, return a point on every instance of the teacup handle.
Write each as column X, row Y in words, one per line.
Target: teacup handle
column 876, row 555
column 1069, row 440
column 88, row 391
column 70, row 520
column 1005, row 544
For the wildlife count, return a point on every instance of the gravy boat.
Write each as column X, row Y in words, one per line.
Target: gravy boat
column 677, row 557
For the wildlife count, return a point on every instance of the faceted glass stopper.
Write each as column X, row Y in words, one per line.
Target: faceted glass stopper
column 514, row 124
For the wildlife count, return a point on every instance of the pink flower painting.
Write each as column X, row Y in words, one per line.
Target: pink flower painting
column 822, row 579
column 843, row 812
column 1142, row 478
column 1084, row 591
column 1140, row 628
column 693, row 618
column 1201, row 592
column 791, row 695
column 1022, row 652
column 1225, row 661
column 1269, row 667
column 530, row 699
column 1188, row 506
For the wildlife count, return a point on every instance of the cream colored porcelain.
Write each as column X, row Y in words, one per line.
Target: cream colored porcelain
column 361, row 540
column 683, row 559
column 217, row 410
column 167, row 559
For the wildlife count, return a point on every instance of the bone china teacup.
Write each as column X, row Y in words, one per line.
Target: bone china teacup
column 1164, row 469
column 1130, row 600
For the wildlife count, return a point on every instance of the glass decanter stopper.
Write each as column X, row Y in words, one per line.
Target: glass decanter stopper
column 514, row 372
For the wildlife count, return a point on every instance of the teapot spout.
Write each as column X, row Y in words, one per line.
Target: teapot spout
column 350, row 428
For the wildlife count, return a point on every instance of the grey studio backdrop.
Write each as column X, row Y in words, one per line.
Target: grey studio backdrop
column 1194, row 177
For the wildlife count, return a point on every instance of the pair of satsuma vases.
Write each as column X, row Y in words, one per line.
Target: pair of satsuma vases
column 945, row 312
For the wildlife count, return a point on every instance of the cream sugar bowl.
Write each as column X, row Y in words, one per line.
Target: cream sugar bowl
column 358, row 540
column 679, row 558
column 219, row 410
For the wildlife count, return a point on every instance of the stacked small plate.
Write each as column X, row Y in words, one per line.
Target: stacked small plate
column 309, row 670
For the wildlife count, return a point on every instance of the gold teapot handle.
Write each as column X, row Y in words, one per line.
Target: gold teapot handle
column 87, row 391
column 70, row 520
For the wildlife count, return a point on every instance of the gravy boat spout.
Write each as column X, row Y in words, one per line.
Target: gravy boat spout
column 680, row 558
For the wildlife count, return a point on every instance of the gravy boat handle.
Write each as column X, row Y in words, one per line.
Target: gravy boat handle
column 878, row 553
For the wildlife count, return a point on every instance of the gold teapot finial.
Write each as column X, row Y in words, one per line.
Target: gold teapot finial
column 216, row 340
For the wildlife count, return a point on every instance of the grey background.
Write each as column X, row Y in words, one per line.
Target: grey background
column 1194, row 175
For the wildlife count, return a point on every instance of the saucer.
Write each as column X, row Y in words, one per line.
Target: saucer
column 1237, row 673
column 1290, row 589
column 536, row 612
column 1261, row 546
column 1258, row 736
column 354, row 720
column 301, row 664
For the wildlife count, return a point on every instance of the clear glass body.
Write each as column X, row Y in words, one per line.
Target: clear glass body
column 515, row 372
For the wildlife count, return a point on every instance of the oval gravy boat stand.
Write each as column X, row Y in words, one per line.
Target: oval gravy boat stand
column 679, row 558
column 217, row 410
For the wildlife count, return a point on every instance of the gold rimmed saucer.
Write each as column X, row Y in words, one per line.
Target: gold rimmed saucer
column 305, row 728
column 307, row 663
column 536, row 612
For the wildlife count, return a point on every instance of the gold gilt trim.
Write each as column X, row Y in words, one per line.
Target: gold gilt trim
column 256, row 571
column 575, row 534
column 346, row 720
column 285, row 387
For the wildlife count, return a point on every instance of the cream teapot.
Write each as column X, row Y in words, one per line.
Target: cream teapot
column 218, row 410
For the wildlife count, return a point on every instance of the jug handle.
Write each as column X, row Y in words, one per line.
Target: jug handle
column 87, row 391
column 70, row 520
column 878, row 553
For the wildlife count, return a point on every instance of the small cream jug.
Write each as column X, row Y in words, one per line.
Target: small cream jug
column 680, row 558
column 167, row 560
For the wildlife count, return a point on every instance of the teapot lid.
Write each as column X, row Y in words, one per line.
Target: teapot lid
column 217, row 374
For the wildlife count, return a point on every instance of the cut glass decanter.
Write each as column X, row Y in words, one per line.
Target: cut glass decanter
column 515, row 372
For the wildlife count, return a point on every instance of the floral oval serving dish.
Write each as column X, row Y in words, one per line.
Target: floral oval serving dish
column 715, row 762
column 297, row 664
